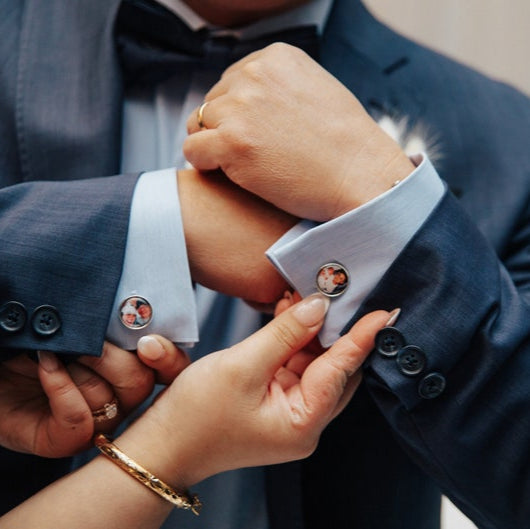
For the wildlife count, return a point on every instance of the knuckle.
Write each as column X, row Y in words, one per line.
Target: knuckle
column 253, row 70
column 244, row 102
column 279, row 47
column 285, row 335
column 188, row 149
column 241, row 139
column 78, row 418
column 90, row 383
column 338, row 366
column 95, row 362
column 62, row 388
column 236, row 373
column 232, row 368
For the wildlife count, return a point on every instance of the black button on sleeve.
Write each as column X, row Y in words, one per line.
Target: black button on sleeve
column 13, row 316
column 45, row 320
column 411, row 360
column 431, row 386
column 388, row 341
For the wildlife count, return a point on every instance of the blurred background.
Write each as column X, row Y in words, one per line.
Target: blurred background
column 492, row 36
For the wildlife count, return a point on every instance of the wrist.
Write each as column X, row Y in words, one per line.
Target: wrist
column 384, row 171
column 227, row 232
column 160, row 450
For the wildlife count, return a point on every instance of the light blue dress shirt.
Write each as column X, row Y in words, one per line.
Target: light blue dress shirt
column 365, row 241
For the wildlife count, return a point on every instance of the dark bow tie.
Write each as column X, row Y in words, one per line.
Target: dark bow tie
column 154, row 43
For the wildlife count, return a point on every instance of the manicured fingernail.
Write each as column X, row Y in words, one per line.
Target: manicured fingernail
column 150, row 347
column 48, row 361
column 394, row 315
column 288, row 295
column 311, row 310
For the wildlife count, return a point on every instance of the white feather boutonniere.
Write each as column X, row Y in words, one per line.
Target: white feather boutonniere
column 412, row 140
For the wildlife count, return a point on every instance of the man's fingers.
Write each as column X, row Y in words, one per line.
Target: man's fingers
column 163, row 356
column 275, row 343
column 203, row 150
column 326, row 379
column 287, row 301
column 236, row 67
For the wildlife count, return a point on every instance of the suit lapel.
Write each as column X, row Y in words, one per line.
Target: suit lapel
column 377, row 61
column 68, row 90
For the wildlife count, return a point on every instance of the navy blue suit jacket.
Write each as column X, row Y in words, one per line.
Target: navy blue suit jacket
column 462, row 282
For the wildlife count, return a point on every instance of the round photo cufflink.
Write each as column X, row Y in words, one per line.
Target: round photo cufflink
column 135, row 312
column 332, row 279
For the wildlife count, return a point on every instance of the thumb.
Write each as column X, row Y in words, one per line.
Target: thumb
column 330, row 380
column 162, row 355
column 270, row 347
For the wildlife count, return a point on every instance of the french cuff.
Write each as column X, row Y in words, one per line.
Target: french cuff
column 346, row 257
column 155, row 270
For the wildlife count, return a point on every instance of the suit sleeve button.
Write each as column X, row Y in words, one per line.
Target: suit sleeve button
column 388, row 341
column 431, row 386
column 45, row 320
column 411, row 360
column 13, row 316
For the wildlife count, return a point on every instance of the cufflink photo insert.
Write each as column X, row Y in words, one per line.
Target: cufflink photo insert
column 135, row 312
column 332, row 279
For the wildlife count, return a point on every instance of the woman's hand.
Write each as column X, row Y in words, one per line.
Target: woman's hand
column 47, row 408
column 265, row 400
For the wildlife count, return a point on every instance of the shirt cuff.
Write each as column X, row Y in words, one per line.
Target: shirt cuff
column 155, row 267
column 364, row 241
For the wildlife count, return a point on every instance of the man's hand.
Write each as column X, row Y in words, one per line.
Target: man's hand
column 47, row 407
column 227, row 232
column 283, row 128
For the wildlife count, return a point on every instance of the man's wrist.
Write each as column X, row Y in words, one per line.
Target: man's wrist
column 382, row 177
column 155, row 267
column 364, row 241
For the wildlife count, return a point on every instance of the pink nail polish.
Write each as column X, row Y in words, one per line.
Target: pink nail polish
column 311, row 310
column 393, row 316
column 150, row 348
column 288, row 295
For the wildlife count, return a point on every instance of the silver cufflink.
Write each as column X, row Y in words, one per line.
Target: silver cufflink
column 135, row 312
column 332, row 279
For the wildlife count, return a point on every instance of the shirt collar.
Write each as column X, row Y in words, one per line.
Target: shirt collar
column 312, row 13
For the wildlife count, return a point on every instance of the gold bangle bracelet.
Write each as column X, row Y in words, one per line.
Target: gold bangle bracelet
column 182, row 500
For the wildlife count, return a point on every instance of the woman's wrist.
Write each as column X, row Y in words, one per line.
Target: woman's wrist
column 164, row 453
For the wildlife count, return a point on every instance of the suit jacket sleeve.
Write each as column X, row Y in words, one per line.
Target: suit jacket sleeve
column 458, row 400
column 61, row 247
column 452, row 378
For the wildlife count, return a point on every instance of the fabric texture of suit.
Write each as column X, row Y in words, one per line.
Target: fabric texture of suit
column 462, row 283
